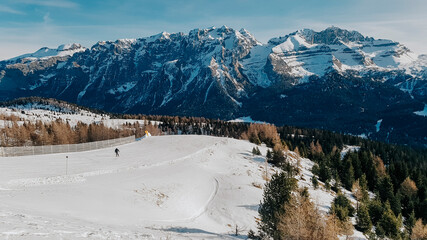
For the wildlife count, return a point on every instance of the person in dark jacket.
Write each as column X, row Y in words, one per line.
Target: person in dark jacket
column 117, row 152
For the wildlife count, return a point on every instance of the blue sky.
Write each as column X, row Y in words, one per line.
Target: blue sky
column 27, row 25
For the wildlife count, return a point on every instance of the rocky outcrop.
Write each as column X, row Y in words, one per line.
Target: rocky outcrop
column 224, row 73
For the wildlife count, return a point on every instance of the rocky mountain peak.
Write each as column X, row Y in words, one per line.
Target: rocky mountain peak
column 333, row 35
column 72, row 46
column 223, row 72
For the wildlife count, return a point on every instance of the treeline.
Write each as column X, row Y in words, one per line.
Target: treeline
column 25, row 133
column 49, row 103
column 173, row 125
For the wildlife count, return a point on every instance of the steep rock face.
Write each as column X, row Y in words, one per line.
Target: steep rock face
column 335, row 79
column 155, row 74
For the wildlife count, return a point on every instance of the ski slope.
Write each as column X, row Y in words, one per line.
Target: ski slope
column 167, row 187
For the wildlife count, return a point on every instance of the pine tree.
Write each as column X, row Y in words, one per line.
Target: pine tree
column 324, row 171
column 347, row 178
column 336, row 186
column 363, row 220
column 327, row 186
column 315, row 182
column 278, row 156
column 376, row 210
column 410, row 222
column 254, row 151
column 388, row 225
column 387, row 194
column 341, row 207
column 269, row 155
column 386, row 189
column 277, row 192
column 364, row 187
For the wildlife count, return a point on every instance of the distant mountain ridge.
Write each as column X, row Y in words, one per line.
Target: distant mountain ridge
column 335, row 79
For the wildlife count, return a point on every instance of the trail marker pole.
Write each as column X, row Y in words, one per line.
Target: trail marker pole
column 66, row 165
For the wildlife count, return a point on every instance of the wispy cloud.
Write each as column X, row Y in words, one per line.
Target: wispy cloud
column 50, row 3
column 7, row 9
column 47, row 19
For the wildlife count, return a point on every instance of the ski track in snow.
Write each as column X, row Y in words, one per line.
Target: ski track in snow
column 220, row 165
column 201, row 194
column 76, row 178
column 202, row 210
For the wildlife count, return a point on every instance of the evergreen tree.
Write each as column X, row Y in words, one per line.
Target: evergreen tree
column 363, row 220
column 386, row 194
column 410, row 222
column 388, row 225
column 336, row 186
column 376, row 210
column 315, row 182
column 341, row 207
column 277, row 192
column 269, row 155
column 364, row 188
column 254, row 151
column 385, row 189
column 324, row 172
column 327, row 186
column 278, row 157
column 347, row 178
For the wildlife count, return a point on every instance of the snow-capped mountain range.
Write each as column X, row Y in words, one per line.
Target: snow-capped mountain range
column 335, row 79
column 65, row 50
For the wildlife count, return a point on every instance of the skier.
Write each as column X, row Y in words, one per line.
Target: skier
column 117, row 152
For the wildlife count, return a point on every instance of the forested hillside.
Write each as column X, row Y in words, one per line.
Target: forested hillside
column 395, row 174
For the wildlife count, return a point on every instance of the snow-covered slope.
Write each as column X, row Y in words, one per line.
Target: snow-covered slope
column 175, row 187
column 322, row 197
column 167, row 187
column 33, row 112
column 308, row 53
column 226, row 73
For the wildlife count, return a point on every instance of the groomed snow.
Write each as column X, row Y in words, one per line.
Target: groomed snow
column 174, row 187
